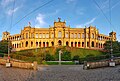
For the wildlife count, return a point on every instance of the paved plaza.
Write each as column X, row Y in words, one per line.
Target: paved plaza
column 60, row 73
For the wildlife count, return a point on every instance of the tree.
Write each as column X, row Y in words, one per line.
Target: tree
column 4, row 46
column 115, row 46
column 76, row 57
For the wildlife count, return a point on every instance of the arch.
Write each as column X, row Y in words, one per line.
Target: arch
column 82, row 44
column 31, row 44
column 71, row 44
column 99, row 45
column 36, row 44
column 26, row 44
column 87, row 44
column 15, row 45
column 39, row 44
column 67, row 43
column 52, row 43
column 43, row 44
column 96, row 44
column 47, row 44
column 78, row 44
column 60, row 42
column 92, row 43
column 75, row 44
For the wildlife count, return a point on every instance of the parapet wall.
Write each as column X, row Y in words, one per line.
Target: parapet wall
column 18, row 64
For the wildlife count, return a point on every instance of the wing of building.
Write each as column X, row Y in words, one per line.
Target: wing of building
column 58, row 35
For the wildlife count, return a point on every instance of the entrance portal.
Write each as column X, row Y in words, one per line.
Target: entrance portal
column 59, row 43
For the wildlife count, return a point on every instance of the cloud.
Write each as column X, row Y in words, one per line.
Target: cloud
column 70, row 1
column 6, row 2
column 40, row 20
column 80, row 11
column 87, row 23
column 11, row 11
column 53, row 13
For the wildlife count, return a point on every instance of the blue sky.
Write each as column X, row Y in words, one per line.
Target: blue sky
column 76, row 13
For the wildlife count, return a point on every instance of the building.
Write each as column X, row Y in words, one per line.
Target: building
column 58, row 35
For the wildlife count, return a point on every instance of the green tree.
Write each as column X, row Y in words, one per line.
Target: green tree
column 66, row 55
column 4, row 46
column 115, row 46
column 76, row 57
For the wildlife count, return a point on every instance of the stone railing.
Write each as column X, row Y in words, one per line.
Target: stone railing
column 19, row 64
column 100, row 64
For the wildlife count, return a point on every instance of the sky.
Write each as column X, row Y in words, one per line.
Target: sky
column 76, row 13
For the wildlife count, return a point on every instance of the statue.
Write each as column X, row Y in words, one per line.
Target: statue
column 59, row 19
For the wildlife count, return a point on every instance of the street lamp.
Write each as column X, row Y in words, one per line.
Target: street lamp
column 60, row 52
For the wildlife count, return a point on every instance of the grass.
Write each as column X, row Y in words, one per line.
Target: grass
column 56, row 63
column 31, row 55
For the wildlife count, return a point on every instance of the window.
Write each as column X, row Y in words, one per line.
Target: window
column 40, row 35
column 87, row 36
column 59, row 34
column 32, row 35
column 79, row 35
column 72, row 35
column 26, row 35
column 52, row 36
column 83, row 35
column 47, row 35
column 92, row 35
column 75, row 35
column 43, row 35
column 36, row 35
column 66, row 35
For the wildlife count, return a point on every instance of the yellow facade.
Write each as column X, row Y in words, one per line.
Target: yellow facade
column 58, row 35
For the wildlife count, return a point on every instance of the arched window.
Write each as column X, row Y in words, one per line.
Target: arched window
column 59, row 34
column 26, row 44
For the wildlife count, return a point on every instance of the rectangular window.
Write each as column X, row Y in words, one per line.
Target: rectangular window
column 40, row 35
column 75, row 35
column 72, row 35
column 66, row 35
column 52, row 36
column 32, row 35
column 43, row 35
column 47, row 35
column 59, row 34
column 79, row 35
column 83, row 35
column 26, row 35
column 36, row 35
